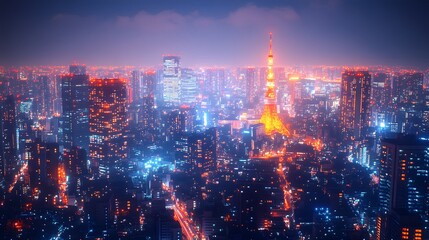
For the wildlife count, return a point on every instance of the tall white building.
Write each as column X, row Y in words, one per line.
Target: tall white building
column 188, row 86
column 171, row 80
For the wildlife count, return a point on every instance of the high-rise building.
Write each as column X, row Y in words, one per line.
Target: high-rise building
column 214, row 81
column 75, row 105
column 43, row 165
column 355, row 104
column 108, row 145
column 270, row 117
column 407, row 89
column 147, row 114
column 408, row 101
column 171, row 80
column 380, row 95
column 404, row 181
column 77, row 169
column 250, row 85
column 8, row 140
column 196, row 152
column 136, row 86
column 188, row 88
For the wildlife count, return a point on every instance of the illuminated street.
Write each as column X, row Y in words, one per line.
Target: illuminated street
column 17, row 176
column 220, row 120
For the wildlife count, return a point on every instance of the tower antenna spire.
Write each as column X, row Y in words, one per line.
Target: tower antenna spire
column 271, row 43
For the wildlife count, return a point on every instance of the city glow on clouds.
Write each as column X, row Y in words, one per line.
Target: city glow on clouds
column 216, row 34
column 169, row 31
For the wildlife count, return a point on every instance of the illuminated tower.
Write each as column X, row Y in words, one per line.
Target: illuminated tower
column 270, row 118
column 355, row 104
column 107, row 125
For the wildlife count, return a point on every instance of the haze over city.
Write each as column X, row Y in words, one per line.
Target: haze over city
column 214, row 33
column 214, row 120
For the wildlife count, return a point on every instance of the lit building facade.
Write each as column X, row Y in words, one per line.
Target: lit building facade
column 8, row 140
column 250, row 85
column 404, row 177
column 147, row 113
column 171, row 80
column 188, row 88
column 75, row 104
column 108, row 125
column 355, row 104
column 136, row 86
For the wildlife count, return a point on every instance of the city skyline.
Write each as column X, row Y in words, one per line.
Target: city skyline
column 197, row 120
column 331, row 32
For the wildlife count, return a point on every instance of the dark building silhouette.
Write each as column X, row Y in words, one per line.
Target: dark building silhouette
column 75, row 105
column 8, row 140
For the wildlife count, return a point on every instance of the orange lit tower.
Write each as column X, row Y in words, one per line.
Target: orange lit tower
column 269, row 117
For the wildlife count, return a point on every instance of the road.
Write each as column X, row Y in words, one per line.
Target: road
column 16, row 178
column 189, row 229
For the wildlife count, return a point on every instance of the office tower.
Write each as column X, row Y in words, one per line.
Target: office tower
column 250, row 85
column 108, row 123
column 408, row 100
column 380, row 95
column 188, row 87
column 181, row 156
column 146, row 116
column 355, row 104
column 214, row 82
column 404, row 181
column 425, row 115
column 42, row 96
column 196, row 152
column 43, row 164
column 8, row 140
column 75, row 105
column 136, row 86
column 407, row 89
column 76, row 168
column 171, row 80
column 269, row 117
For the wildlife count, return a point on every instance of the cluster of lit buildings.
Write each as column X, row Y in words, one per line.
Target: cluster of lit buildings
column 214, row 153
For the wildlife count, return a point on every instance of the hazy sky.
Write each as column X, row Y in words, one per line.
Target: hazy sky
column 214, row 33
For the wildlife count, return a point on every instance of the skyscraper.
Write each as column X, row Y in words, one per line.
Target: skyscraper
column 75, row 104
column 8, row 140
column 188, row 87
column 407, row 89
column 269, row 117
column 171, row 80
column 250, row 85
column 408, row 100
column 146, row 121
column 108, row 125
column 404, row 181
column 136, row 86
column 355, row 104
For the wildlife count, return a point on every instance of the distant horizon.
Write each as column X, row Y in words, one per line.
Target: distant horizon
column 227, row 33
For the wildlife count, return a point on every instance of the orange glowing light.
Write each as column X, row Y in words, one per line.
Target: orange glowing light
column 269, row 117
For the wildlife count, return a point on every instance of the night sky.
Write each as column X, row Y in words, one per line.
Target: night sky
column 215, row 33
